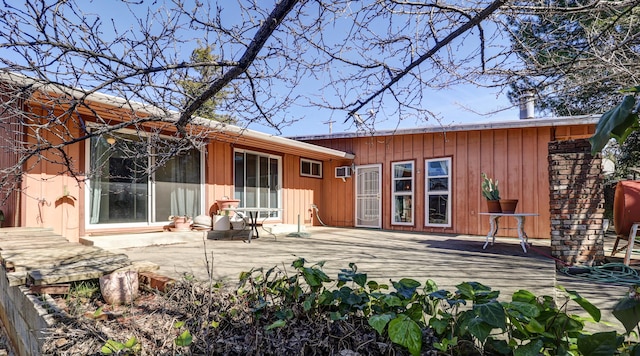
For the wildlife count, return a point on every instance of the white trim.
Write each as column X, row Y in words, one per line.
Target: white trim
column 427, row 193
column 311, row 163
column 279, row 187
column 379, row 195
column 410, row 194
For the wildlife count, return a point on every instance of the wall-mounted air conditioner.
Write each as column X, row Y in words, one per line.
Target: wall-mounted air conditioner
column 343, row 172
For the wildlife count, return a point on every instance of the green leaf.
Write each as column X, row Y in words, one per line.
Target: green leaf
column 627, row 311
column 215, row 324
column 599, row 344
column 439, row 325
column 479, row 329
column 406, row 332
column 585, row 304
column 430, row 286
column 298, row 263
column 178, row 324
column 184, row 339
column 379, row 322
column 314, row 277
column 337, row 316
column 534, row 326
column 406, row 287
column 97, row 312
column 526, row 309
column 531, row 349
column 614, row 123
column 391, row 300
column 325, row 298
column 492, row 313
column 276, row 324
column 524, row 296
column 111, row 346
column 131, row 342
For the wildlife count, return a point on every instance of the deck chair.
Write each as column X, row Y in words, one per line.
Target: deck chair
column 630, row 241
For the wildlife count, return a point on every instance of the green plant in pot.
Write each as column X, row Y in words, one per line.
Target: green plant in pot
column 491, row 192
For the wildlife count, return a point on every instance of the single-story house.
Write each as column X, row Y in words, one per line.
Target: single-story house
column 422, row 180
column 429, row 179
column 259, row 169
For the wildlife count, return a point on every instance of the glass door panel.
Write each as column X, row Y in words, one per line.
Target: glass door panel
column 119, row 188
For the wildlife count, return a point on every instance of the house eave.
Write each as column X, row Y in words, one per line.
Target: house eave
column 217, row 130
column 495, row 125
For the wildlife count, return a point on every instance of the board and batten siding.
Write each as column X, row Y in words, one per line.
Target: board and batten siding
column 516, row 157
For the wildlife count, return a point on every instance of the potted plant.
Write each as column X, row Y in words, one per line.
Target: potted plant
column 491, row 193
column 181, row 222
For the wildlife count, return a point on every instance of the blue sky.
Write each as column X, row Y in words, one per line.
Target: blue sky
column 458, row 104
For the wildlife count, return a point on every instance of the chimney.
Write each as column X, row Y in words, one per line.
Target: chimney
column 527, row 105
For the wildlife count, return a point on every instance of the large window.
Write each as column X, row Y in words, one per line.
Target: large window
column 121, row 190
column 438, row 192
column 258, row 181
column 402, row 190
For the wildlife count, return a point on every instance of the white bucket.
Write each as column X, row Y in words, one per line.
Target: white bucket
column 221, row 223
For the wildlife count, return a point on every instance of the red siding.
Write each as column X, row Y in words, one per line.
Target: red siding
column 516, row 157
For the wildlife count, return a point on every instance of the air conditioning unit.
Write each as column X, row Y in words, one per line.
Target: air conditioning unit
column 343, row 172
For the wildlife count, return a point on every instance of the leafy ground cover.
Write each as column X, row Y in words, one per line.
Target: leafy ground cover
column 300, row 310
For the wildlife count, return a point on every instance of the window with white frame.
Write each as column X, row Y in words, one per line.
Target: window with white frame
column 402, row 175
column 258, row 178
column 310, row 168
column 438, row 192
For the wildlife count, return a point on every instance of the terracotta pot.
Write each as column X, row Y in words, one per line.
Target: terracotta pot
column 508, row 206
column 493, row 206
column 626, row 206
column 181, row 223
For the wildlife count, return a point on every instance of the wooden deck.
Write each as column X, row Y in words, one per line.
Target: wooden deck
column 37, row 256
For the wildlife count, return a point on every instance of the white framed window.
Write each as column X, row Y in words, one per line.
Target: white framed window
column 438, row 192
column 402, row 191
column 310, row 168
column 258, row 178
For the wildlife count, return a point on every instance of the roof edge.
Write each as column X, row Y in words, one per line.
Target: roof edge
column 523, row 123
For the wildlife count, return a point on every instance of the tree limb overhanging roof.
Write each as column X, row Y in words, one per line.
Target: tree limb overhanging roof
column 236, row 135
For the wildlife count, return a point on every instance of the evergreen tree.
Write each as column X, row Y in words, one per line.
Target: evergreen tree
column 577, row 60
column 205, row 73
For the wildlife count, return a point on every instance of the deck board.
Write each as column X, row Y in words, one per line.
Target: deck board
column 39, row 257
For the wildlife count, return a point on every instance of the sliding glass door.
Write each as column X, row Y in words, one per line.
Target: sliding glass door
column 122, row 191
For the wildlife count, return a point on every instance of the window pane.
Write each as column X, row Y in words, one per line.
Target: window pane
column 119, row 187
column 403, row 185
column 404, row 170
column 305, row 167
column 438, row 168
column 438, row 184
column 177, row 186
column 261, row 179
column 239, row 177
column 316, row 169
column 403, row 209
column 438, row 209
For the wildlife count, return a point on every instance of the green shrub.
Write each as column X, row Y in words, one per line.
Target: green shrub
column 470, row 320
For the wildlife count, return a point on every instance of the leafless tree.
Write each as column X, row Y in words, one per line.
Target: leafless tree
column 371, row 61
